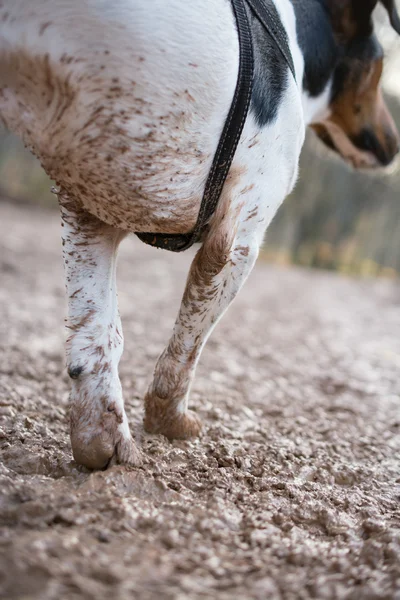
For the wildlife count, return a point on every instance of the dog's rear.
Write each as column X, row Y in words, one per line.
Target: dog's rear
column 124, row 103
column 121, row 101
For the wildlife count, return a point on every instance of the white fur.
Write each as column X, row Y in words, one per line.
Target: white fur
column 317, row 109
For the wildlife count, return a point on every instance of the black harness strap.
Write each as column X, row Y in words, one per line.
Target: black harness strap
column 267, row 14
column 227, row 143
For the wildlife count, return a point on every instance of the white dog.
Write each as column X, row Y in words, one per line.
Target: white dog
column 124, row 102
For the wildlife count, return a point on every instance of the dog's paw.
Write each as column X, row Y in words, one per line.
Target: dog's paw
column 184, row 426
column 172, row 424
column 108, row 443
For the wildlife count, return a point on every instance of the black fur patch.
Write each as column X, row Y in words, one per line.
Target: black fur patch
column 317, row 43
column 270, row 74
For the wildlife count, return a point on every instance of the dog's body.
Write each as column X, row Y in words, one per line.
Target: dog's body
column 124, row 103
column 133, row 125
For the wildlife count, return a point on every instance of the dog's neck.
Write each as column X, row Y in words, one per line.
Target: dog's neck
column 320, row 53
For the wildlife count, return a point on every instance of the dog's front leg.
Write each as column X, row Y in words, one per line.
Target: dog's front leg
column 99, row 426
column 218, row 271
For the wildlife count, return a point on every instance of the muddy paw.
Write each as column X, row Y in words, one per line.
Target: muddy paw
column 183, row 427
column 160, row 418
column 97, row 447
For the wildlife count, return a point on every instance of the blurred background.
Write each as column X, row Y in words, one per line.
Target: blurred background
column 336, row 218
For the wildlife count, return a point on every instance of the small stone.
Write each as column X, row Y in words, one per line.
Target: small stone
column 171, row 538
column 28, row 423
column 103, row 536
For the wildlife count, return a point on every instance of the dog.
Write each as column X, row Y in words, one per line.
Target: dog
column 124, row 104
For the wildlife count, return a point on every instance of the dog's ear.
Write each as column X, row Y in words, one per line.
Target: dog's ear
column 350, row 18
column 390, row 6
column 353, row 17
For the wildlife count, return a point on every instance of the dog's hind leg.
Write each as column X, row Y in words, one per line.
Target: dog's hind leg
column 99, row 426
column 217, row 273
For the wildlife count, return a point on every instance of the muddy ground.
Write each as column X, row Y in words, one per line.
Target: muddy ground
column 292, row 492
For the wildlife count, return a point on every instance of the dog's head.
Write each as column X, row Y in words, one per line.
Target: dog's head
column 359, row 126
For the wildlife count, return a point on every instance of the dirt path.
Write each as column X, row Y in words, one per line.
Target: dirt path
column 294, row 489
